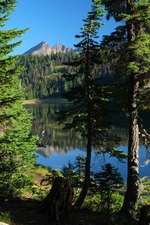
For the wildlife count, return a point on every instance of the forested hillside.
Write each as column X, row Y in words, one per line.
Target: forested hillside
column 43, row 75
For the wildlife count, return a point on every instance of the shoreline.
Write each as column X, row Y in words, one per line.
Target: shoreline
column 51, row 100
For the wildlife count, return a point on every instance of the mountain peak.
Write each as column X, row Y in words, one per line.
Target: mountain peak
column 43, row 43
column 43, row 48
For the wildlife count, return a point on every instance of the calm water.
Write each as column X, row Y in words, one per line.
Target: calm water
column 58, row 147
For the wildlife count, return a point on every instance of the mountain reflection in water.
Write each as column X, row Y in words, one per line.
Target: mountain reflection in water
column 57, row 147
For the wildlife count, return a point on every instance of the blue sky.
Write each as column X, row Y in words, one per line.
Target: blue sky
column 54, row 21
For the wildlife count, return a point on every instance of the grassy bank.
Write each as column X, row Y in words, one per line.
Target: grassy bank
column 27, row 208
column 43, row 178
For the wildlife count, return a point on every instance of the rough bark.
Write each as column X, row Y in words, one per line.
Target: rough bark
column 132, row 193
column 58, row 202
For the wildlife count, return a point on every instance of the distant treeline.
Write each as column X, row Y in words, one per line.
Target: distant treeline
column 43, row 76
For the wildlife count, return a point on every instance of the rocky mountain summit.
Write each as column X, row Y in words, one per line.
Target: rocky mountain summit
column 44, row 49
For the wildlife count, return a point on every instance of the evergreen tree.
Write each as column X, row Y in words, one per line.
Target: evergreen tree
column 83, row 112
column 134, row 61
column 17, row 145
column 108, row 181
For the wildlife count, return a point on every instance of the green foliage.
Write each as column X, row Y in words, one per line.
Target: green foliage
column 5, row 217
column 88, row 98
column 106, row 187
column 93, row 202
column 108, row 181
column 145, row 195
column 75, row 172
column 57, row 173
column 130, row 57
column 17, row 145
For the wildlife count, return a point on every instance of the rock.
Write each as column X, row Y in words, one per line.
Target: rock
column 43, row 49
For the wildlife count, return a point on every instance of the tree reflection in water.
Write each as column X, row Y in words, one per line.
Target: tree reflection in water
column 54, row 139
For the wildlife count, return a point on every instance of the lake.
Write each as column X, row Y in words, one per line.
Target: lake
column 58, row 147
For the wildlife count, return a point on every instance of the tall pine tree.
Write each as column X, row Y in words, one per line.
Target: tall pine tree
column 17, row 145
column 83, row 112
column 134, row 60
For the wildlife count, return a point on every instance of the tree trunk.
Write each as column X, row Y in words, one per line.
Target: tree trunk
column 132, row 193
column 58, row 202
column 88, row 86
column 86, row 184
